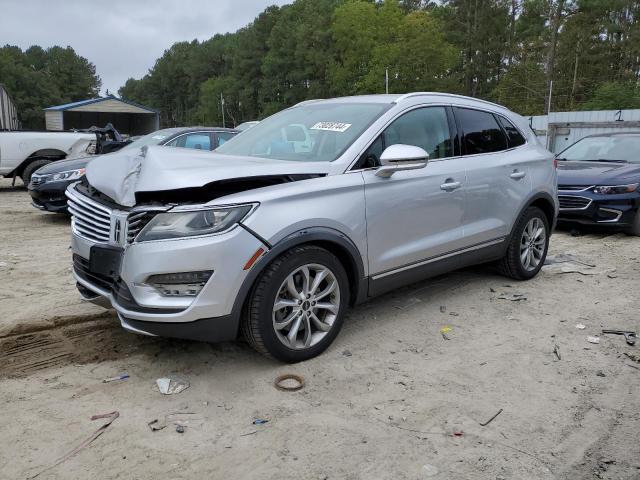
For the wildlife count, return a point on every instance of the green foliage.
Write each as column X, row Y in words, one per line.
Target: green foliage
column 614, row 96
column 38, row 78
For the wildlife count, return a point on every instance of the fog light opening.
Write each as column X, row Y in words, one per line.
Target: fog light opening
column 182, row 284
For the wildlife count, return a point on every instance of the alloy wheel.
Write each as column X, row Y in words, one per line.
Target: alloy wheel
column 306, row 306
column 532, row 244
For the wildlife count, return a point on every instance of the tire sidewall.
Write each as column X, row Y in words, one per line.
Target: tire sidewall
column 529, row 213
column 269, row 337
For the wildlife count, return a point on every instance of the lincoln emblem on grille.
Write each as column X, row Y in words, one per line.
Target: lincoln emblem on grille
column 117, row 229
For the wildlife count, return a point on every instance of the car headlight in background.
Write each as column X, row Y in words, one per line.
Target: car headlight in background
column 68, row 175
column 615, row 189
column 180, row 224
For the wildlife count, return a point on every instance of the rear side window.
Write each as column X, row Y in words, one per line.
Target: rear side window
column 222, row 137
column 513, row 134
column 481, row 131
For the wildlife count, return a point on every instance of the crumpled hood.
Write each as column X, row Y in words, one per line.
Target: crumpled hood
column 122, row 174
column 597, row 173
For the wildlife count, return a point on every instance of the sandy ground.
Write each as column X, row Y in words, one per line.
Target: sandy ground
column 391, row 399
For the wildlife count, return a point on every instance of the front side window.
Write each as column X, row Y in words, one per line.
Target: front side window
column 481, row 132
column 198, row 141
column 316, row 132
column 427, row 128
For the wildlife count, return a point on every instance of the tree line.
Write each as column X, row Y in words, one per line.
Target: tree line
column 37, row 78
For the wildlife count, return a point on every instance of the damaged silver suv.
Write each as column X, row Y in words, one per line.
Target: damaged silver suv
column 319, row 207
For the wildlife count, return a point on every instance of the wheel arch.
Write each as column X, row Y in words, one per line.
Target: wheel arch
column 332, row 240
column 545, row 202
column 52, row 154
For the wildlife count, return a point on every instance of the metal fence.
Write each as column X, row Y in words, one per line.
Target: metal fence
column 8, row 112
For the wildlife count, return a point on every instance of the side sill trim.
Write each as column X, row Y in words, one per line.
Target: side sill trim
column 441, row 257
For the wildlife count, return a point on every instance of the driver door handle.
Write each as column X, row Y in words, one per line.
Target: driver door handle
column 517, row 175
column 450, row 185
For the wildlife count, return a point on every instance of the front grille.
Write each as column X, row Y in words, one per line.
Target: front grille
column 90, row 219
column 81, row 266
column 574, row 188
column 571, row 202
column 136, row 222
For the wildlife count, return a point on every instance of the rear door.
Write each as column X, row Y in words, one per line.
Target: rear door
column 497, row 174
column 414, row 215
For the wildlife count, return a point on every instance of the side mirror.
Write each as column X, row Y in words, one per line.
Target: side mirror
column 400, row 157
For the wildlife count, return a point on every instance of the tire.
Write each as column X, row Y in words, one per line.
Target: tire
column 32, row 167
column 317, row 326
column 512, row 264
column 634, row 229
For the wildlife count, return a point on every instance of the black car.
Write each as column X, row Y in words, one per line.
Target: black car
column 48, row 184
column 599, row 180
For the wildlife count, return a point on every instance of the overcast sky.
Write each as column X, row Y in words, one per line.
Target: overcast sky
column 122, row 38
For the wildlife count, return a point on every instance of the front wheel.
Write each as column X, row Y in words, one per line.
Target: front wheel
column 297, row 306
column 634, row 229
column 528, row 246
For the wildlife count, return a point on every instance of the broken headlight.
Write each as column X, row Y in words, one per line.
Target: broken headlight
column 615, row 189
column 180, row 224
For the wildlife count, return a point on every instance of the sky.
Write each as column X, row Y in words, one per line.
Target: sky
column 122, row 38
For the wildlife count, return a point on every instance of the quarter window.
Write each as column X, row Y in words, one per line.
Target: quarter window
column 513, row 134
column 427, row 128
column 481, row 131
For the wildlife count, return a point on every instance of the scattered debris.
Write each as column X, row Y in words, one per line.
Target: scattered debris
column 580, row 326
column 171, row 385
column 513, row 297
column 443, row 308
column 556, row 350
column 177, row 418
column 454, row 314
column 629, row 335
column 633, row 356
column 600, row 373
column 566, row 258
column 297, row 384
column 248, row 433
column 110, row 419
column 444, row 331
column 180, row 428
column 260, row 421
column 429, row 470
column 491, row 419
column 458, row 434
column 347, row 353
column 612, row 275
column 591, row 339
column 123, row 376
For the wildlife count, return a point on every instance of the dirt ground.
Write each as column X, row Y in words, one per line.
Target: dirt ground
column 391, row 399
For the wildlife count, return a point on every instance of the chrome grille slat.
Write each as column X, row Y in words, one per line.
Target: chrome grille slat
column 90, row 220
column 94, row 228
column 99, row 214
column 75, row 210
column 573, row 202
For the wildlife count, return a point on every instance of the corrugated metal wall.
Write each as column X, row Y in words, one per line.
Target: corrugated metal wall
column 53, row 120
column 8, row 112
column 567, row 132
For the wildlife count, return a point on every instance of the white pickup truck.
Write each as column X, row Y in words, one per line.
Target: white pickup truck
column 23, row 152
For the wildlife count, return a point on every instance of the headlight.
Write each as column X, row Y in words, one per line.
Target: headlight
column 615, row 189
column 192, row 223
column 68, row 175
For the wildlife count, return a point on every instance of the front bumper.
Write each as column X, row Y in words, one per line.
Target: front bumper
column 49, row 196
column 588, row 208
column 142, row 309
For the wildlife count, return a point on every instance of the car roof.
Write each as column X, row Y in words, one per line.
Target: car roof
column 397, row 98
column 202, row 129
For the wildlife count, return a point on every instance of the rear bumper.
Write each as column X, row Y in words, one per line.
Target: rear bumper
column 601, row 210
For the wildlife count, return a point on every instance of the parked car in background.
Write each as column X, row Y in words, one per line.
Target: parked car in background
column 276, row 241
column 247, row 125
column 49, row 183
column 599, row 181
column 23, row 152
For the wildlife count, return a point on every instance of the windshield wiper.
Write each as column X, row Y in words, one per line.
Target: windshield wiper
column 606, row 160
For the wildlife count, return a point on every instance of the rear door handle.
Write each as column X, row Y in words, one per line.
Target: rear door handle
column 449, row 185
column 517, row 175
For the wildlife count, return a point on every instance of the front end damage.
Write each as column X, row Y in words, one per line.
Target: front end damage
column 169, row 261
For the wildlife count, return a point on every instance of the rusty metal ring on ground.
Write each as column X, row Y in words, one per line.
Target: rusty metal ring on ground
column 289, row 376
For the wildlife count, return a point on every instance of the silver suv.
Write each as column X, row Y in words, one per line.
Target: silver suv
column 314, row 209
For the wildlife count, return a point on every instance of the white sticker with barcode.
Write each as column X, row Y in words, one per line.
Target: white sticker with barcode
column 331, row 126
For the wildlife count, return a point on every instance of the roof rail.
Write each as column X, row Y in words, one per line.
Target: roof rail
column 419, row 94
column 306, row 102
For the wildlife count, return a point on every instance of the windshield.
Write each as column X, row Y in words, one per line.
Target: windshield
column 307, row 133
column 153, row 138
column 616, row 148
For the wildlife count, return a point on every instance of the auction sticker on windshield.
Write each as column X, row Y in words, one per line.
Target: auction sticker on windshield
column 331, row 126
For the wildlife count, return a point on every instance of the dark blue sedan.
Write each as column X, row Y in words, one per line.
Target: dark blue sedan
column 598, row 181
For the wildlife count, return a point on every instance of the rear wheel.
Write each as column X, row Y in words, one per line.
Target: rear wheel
column 527, row 247
column 297, row 306
column 31, row 168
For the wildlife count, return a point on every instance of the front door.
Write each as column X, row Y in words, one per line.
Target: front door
column 414, row 215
